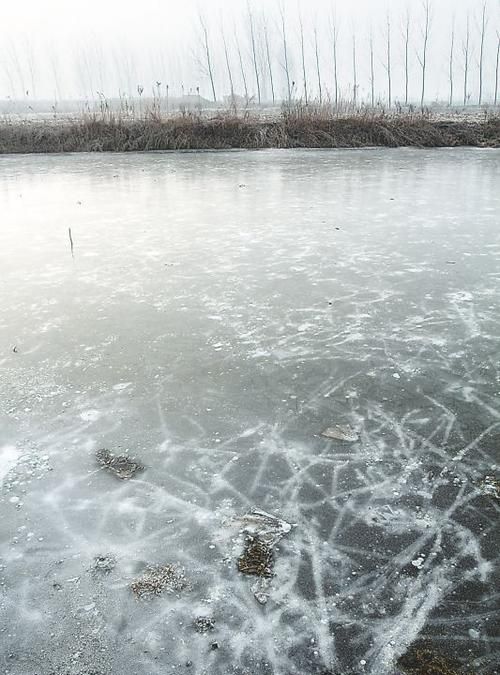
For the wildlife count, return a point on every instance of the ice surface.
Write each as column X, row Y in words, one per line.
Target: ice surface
column 213, row 333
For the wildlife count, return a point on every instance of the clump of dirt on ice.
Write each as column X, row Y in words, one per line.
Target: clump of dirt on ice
column 262, row 532
column 120, row 466
column 257, row 558
column 158, row 579
column 103, row 564
column 204, row 624
column 418, row 661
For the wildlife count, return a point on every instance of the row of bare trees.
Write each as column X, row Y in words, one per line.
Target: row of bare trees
column 288, row 54
column 277, row 60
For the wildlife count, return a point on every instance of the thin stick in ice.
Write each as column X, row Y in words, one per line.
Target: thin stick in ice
column 71, row 242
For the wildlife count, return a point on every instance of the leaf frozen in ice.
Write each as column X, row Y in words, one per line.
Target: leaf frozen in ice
column 341, row 432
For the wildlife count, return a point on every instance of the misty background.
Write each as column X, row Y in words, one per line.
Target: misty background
column 234, row 50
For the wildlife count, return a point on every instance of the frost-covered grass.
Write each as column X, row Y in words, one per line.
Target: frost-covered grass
column 296, row 127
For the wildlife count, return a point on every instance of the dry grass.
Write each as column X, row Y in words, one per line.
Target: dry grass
column 295, row 127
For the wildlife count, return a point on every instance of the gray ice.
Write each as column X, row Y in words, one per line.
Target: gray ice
column 212, row 333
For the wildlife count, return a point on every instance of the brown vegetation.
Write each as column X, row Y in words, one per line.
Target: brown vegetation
column 293, row 128
column 257, row 558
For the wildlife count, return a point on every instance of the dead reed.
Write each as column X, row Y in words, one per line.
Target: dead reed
column 294, row 127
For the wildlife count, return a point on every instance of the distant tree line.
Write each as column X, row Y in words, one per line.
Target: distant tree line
column 283, row 55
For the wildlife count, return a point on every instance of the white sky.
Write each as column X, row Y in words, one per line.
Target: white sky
column 70, row 48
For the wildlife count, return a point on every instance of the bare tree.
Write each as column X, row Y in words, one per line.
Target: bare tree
column 285, row 51
column 335, row 36
column 54, row 63
column 354, row 71
column 372, row 71
column 466, row 52
column 318, row 70
column 228, row 64
column 451, row 62
column 208, row 56
column 100, row 63
column 123, row 71
column 30, row 57
column 269, row 63
column 497, row 66
column 387, row 64
column 19, row 70
column 254, row 51
column 242, row 68
column 484, row 22
column 406, row 38
column 85, row 72
column 422, row 58
column 302, row 50
column 8, row 76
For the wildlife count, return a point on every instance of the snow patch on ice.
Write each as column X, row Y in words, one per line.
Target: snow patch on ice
column 8, row 460
column 121, row 386
column 90, row 415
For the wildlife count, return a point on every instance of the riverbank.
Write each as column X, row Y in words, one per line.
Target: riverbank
column 225, row 131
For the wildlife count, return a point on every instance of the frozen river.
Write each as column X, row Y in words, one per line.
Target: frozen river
column 209, row 316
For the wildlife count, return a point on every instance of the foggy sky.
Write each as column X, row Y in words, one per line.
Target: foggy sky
column 60, row 49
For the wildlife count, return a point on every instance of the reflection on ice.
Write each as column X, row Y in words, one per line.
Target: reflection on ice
column 210, row 334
